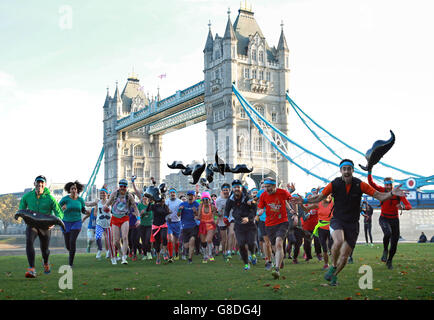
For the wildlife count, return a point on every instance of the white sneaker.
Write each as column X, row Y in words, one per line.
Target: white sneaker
column 98, row 254
column 149, row 256
column 124, row 260
column 107, row 254
column 114, row 261
column 118, row 258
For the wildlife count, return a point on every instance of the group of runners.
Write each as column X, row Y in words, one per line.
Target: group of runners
column 270, row 223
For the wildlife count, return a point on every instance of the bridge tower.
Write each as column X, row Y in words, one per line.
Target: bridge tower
column 132, row 152
column 261, row 74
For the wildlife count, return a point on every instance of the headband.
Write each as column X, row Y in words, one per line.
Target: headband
column 173, row 189
column 269, row 182
column 346, row 163
column 388, row 182
column 237, row 184
column 103, row 189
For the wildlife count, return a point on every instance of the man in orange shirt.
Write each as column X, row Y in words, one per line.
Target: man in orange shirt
column 347, row 192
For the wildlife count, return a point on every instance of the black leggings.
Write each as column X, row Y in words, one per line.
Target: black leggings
column 44, row 241
column 296, row 239
column 145, row 238
column 390, row 229
column 368, row 228
column 325, row 239
column 133, row 240
column 246, row 236
column 307, row 245
column 160, row 237
column 70, row 243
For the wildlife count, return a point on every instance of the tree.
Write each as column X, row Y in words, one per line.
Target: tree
column 9, row 205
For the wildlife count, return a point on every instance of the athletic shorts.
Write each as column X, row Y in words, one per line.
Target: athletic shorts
column 174, row 228
column 74, row 225
column 261, row 230
column 188, row 233
column 119, row 221
column 222, row 228
column 351, row 230
column 278, row 230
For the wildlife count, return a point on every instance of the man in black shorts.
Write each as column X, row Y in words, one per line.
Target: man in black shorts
column 188, row 211
column 347, row 192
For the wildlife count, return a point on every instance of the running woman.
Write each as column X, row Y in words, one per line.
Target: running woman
column 347, row 193
column 389, row 218
column 275, row 201
column 121, row 201
column 322, row 229
column 244, row 212
column 103, row 226
column 188, row 211
column 207, row 226
column 173, row 224
column 221, row 224
column 90, row 228
column 366, row 213
column 39, row 200
column 73, row 206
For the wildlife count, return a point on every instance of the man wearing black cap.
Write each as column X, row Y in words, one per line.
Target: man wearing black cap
column 39, row 200
column 244, row 213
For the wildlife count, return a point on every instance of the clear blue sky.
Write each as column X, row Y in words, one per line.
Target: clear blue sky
column 359, row 67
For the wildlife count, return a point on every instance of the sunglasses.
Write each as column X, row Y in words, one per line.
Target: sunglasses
column 122, row 186
column 104, row 217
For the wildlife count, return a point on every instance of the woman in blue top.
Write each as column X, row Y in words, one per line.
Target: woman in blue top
column 73, row 206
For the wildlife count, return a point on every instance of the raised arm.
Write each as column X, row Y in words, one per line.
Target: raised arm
column 138, row 194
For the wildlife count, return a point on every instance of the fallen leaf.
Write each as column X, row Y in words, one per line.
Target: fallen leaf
column 117, row 289
column 348, row 298
column 324, row 285
column 147, row 297
column 358, row 294
column 42, row 291
column 276, row 287
column 266, row 285
column 85, row 283
column 1, row 290
column 283, row 277
column 419, row 287
column 188, row 292
column 315, row 289
column 287, row 287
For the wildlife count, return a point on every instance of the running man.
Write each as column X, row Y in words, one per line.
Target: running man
column 187, row 211
column 244, row 212
column 103, row 226
column 264, row 241
column 39, row 200
column 347, row 193
column 274, row 201
column 221, row 224
column 73, row 206
column 389, row 218
column 173, row 224
column 121, row 201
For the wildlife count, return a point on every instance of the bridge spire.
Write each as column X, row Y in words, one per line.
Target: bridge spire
column 209, row 40
column 117, row 96
column 229, row 32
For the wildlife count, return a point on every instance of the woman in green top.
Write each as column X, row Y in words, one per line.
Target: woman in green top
column 73, row 206
column 146, row 218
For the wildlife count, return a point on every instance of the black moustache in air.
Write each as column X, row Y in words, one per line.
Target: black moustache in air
column 39, row 220
column 378, row 150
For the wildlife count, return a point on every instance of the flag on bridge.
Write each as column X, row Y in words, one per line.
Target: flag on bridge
column 161, row 76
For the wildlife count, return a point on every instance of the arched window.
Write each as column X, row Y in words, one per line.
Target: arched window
column 261, row 56
column 138, row 151
column 254, row 54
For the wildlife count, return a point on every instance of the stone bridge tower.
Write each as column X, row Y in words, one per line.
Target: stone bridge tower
column 261, row 74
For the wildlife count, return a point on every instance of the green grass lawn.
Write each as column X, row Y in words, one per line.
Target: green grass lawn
column 412, row 278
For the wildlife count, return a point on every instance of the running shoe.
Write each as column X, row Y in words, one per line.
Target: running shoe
column 158, row 261
column 350, row 260
column 88, row 249
column 325, row 267
column 98, row 254
column 170, row 260
column 149, row 255
column 384, row 257
column 144, row 257
column 295, row 261
column 165, row 256
column 334, row 281
column 254, row 260
column 134, row 258
column 389, row 264
column 107, row 254
column 190, row 261
column 184, row 257
column 246, row 267
column 31, row 273
column 211, row 259
column 114, row 261
column 319, row 257
column 176, row 257
column 118, row 258
column 205, row 260
column 268, row 266
column 47, row 268
column 276, row 273
column 124, row 260
column 329, row 274
column 130, row 255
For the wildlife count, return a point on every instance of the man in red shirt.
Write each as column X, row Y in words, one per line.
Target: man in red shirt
column 275, row 200
column 347, row 192
column 389, row 218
